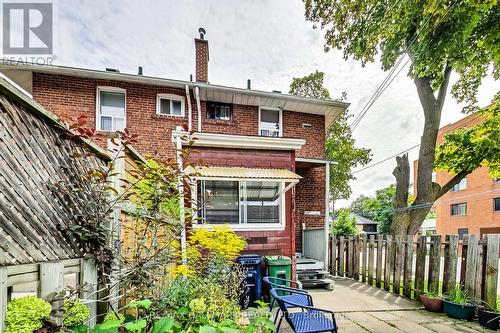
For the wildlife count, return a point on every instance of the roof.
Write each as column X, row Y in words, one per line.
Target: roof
column 331, row 109
column 38, row 110
column 242, row 173
column 363, row 220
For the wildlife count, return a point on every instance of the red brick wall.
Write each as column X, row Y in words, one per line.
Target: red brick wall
column 72, row 96
column 314, row 136
column 261, row 242
column 309, row 196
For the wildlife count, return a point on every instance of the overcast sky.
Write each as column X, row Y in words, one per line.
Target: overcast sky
column 269, row 42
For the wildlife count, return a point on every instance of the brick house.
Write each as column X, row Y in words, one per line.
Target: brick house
column 473, row 205
column 262, row 153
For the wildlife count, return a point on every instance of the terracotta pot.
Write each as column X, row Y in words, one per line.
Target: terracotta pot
column 432, row 304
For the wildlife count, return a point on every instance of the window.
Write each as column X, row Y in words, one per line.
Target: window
column 496, row 180
column 462, row 185
column 110, row 109
column 496, row 204
column 240, row 202
column 462, row 232
column 219, row 111
column 170, row 105
column 459, row 209
column 270, row 122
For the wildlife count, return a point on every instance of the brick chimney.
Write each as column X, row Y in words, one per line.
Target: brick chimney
column 201, row 49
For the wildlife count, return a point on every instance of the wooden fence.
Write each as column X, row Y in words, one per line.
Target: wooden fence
column 49, row 277
column 409, row 266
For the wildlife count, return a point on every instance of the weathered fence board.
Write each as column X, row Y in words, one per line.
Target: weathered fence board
column 434, row 264
column 491, row 270
column 420, row 265
column 371, row 257
column 408, row 266
column 3, row 296
column 472, row 262
column 341, row 256
column 389, row 263
column 364, row 259
column 350, row 257
column 378, row 269
column 355, row 261
column 450, row 262
column 398, row 256
column 333, row 256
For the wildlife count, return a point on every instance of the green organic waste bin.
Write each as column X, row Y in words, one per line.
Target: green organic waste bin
column 280, row 267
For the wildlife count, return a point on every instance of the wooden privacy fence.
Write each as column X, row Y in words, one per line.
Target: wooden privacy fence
column 409, row 266
column 49, row 277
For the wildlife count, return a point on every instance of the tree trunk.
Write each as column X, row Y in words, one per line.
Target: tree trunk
column 408, row 219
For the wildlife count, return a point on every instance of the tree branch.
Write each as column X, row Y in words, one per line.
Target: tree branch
column 444, row 87
column 452, row 182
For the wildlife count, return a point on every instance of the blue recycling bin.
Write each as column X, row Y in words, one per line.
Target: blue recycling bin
column 252, row 265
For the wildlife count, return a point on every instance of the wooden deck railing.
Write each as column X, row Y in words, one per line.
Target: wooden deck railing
column 409, row 266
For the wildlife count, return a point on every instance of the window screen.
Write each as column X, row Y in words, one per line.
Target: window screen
column 219, row 111
column 269, row 122
column 496, row 204
column 459, row 209
column 111, row 111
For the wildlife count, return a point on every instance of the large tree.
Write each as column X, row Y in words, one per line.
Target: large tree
column 339, row 144
column 438, row 36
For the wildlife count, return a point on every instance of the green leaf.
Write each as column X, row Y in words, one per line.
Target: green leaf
column 143, row 304
column 80, row 329
column 163, row 325
column 183, row 310
column 207, row 329
column 229, row 330
column 106, row 328
column 136, row 326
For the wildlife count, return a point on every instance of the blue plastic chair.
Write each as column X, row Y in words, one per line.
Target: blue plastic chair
column 309, row 320
column 295, row 296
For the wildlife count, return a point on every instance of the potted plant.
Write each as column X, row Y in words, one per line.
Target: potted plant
column 431, row 302
column 457, row 304
column 487, row 316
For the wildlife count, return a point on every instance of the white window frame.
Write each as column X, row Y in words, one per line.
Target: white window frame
column 98, row 106
column 270, row 108
column 170, row 97
column 458, row 185
column 458, row 204
column 242, row 226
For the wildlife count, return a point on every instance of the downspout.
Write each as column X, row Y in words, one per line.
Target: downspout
column 198, row 105
column 190, row 110
column 182, row 217
column 327, row 212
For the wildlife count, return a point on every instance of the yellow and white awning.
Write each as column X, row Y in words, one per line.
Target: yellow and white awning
column 240, row 173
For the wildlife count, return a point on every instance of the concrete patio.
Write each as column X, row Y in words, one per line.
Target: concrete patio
column 361, row 308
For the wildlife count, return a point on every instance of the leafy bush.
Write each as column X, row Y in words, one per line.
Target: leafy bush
column 75, row 313
column 344, row 224
column 25, row 314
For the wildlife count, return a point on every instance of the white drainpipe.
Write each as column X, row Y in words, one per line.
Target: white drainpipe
column 327, row 212
column 181, row 201
column 198, row 106
column 190, row 110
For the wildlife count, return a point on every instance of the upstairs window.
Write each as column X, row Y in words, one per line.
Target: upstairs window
column 496, row 180
column 462, row 185
column 459, row 209
column 170, row 105
column 110, row 109
column 270, row 122
column 219, row 111
column 496, row 204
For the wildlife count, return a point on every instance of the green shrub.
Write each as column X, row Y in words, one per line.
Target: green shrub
column 75, row 313
column 458, row 295
column 25, row 314
column 344, row 224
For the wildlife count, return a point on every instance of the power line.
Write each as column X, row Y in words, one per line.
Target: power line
column 389, row 78
column 385, row 159
column 404, row 151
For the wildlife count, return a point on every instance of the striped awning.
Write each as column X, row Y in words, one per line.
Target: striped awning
column 240, row 173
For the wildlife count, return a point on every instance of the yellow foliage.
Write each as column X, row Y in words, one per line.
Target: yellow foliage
column 218, row 240
column 181, row 270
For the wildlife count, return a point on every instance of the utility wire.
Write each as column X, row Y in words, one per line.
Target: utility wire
column 390, row 78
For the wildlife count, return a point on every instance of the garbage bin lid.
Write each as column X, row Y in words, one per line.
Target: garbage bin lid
column 278, row 260
column 249, row 259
